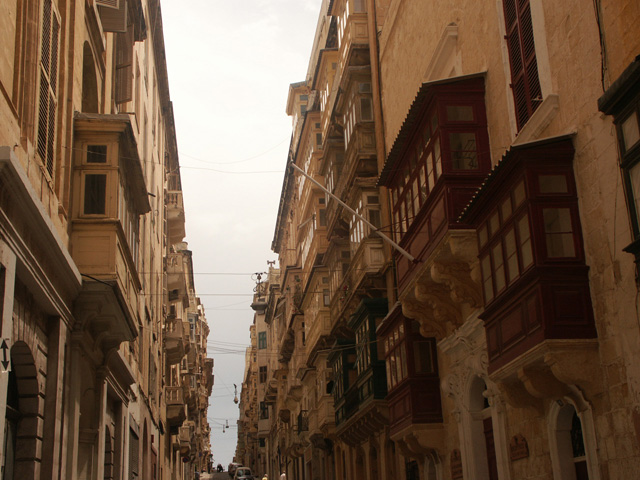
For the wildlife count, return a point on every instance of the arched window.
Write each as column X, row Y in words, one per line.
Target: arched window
column 569, row 454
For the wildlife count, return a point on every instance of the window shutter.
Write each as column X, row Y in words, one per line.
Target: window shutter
column 48, row 85
column 109, row 3
column 525, row 83
column 124, row 67
column 114, row 15
column 133, row 455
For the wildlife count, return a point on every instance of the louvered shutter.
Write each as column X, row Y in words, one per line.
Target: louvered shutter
column 525, row 82
column 134, row 445
column 114, row 15
column 109, row 3
column 48, row 85
column 124, row 67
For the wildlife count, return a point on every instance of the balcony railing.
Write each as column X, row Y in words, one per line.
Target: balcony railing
column 303, row 421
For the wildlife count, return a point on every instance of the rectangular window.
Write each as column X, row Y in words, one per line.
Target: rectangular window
column 263, row 374
column 124, row 66
column 525, row 83
column 48, row 85
column 558, row 232
column 262, row 340
column 95, row 189
column 96, row 154
column 463, row 151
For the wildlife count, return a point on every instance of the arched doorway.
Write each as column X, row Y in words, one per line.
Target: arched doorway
column 23, row 402
column 570, row 451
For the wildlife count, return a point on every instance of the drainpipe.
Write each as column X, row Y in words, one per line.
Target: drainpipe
column 376, row 89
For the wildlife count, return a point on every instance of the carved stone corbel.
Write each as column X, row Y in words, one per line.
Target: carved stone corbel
column 457, row 276
column 437, row 297
column 415, row 310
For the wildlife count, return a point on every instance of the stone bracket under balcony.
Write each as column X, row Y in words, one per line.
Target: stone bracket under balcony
column 551, row 370
column 101, row 311
column 421, row 441
column 364, row 424
column 445, row 289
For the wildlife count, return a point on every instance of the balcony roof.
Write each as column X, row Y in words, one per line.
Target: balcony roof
column 424, row 96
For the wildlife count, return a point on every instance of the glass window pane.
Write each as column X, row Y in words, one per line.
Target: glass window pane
column 403, row 362
column 494, row 224
column 423, row 185
column 430, row 172
column 422, row 354
column 505, row 209
column 96, row 154
column 511, row 253
column 634, row 177
column 559, row 232
column 486, row 278
column 482, row 234
column 366, row 111
column 524, row 234
column 553, row 184
column 630, row 131
column 518, row 194
column 95, row 189
column 437, row 157
column 460, row 113
column 498, row 267
column 463, row 151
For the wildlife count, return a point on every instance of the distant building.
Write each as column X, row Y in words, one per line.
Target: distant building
column 496, row 144
column 98, row 302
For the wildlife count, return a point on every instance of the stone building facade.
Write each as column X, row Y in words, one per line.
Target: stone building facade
column 497, row 145
column 104, row 368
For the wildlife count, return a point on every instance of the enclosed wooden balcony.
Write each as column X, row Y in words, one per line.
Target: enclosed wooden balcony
column 175, row 209
column 174, row 345
column 109, row 196
column 176, row 413
column 176, row 272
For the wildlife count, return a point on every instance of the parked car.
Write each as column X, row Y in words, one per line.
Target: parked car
column 232, row 468
column 243, row 473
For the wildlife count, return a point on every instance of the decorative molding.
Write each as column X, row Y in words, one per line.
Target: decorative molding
column 518, row 448
column 444, row 55
column 457, row 276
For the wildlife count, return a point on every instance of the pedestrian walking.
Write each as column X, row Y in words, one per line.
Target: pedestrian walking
column 283, row 476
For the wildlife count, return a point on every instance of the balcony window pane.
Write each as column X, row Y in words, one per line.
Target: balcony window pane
column 634, row 177
column 460, row 113
column 486, row 278
column 463, row 151
column 95, row 189
column 512, row 257
column 366, row 111
column 630, row 131
column 423, row 356
column 553, row 184
column 482, row 234
column 505, row 209
column 416, row 194
column 430, row 172
column 494, row 224
column 423, row 185
column 524, row 235
column 559, row 232
column 518, row 194
column 403, row 361
column 437, row 157
column 96, row 154
column 498, row 266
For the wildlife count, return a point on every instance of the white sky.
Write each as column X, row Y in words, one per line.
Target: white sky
column 230, row 64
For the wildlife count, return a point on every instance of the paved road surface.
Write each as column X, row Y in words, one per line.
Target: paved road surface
column 215, row 476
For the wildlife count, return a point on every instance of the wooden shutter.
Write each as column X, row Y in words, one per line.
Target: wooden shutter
column 109, row 3
column 48, row 85
column 525, row 83
column 114, row 19
column 134, row 445
column 124, row 67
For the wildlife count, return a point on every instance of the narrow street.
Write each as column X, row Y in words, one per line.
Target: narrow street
column 215, row 476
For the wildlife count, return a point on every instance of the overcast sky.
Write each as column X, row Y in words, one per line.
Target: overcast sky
column 230, row 65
